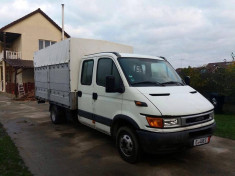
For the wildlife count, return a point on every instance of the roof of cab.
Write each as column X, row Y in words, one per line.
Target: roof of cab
column 130, row 55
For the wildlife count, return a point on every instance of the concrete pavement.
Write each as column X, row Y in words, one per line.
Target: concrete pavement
column 49, row 149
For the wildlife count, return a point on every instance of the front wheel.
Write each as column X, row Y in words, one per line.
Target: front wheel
column 128, row 145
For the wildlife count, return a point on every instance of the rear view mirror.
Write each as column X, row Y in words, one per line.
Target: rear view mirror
column 187, row 80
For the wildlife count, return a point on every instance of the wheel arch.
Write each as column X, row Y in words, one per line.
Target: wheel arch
column 122, row 120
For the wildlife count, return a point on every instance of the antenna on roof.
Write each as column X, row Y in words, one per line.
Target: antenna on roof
column 62, row 21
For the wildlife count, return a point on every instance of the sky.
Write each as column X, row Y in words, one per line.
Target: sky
column 186, row 32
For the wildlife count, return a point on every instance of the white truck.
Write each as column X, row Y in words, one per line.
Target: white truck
column 139, row 100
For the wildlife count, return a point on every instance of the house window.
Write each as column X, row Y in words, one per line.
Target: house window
column 41, row 44
column 45, row 43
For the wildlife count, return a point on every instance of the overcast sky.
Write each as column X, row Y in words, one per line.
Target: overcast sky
column 186, row 32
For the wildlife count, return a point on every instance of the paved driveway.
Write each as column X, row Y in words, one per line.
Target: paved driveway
column 49, row 149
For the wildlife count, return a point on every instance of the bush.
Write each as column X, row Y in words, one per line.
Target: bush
column 221, row 80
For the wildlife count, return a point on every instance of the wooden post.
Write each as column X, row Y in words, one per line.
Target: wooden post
column 4, row 46
column 4, row 63
column 15, row 83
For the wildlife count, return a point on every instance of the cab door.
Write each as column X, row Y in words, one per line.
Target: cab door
column 85, row 91
column 106, row 105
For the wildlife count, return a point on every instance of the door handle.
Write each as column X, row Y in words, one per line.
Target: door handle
column 95, row 96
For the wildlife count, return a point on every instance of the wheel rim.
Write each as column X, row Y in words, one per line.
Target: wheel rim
column 53, row 116
column 126, row 145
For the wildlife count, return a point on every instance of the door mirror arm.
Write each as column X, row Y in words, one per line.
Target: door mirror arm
column 121, row 89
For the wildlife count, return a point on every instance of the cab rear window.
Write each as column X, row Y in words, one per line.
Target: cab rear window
column 87, row 70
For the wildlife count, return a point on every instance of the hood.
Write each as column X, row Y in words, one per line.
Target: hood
column 176, row 100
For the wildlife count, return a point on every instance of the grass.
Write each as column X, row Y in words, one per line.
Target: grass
column 11, row 163
column 225, row 125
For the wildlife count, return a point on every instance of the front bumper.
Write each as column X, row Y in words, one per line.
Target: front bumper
column 153, row 142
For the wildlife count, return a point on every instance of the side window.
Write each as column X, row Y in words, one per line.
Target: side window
column 87, row 70
column 106, row 67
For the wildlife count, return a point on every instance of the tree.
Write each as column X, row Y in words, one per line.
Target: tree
column 221, row 80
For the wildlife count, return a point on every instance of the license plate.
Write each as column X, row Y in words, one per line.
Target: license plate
column 201, row 141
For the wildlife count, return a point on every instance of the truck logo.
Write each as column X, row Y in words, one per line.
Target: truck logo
column 199, row 118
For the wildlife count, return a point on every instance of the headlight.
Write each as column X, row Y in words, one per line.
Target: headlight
column 169, row 123
column 163, row 123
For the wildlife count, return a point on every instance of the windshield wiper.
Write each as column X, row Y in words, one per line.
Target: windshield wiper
column 173, row 82
column 148, row 82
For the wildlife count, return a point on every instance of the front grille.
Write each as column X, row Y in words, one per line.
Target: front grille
column 195, row 119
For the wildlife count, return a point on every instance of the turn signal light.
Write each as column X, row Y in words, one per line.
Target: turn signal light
column 139, row 103
column 155, row 122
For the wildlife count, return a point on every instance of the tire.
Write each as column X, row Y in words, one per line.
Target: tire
column 128, row 145
column 56, row 115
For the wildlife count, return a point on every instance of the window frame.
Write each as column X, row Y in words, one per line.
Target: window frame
column 126, row 76
column 113, row 63
column 44, row 43
column 91, row 73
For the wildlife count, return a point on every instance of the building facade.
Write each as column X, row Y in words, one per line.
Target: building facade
column 18, row 42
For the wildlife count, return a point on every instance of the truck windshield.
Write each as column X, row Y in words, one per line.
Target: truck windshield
column 149, row 72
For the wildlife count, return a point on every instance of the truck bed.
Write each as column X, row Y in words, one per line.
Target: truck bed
column 52, row 83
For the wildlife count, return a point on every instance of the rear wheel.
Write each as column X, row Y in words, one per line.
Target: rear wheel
column 128, row 145
column 56, row 114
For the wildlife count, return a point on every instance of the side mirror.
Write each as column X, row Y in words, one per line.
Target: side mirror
column 110, row 85
column 187, row 80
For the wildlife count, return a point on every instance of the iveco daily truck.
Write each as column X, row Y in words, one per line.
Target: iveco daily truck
column 139, row 100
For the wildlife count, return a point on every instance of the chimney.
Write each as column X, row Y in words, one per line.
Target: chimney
column 62, row 21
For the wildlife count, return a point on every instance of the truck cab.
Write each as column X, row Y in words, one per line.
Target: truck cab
column 142, row 103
